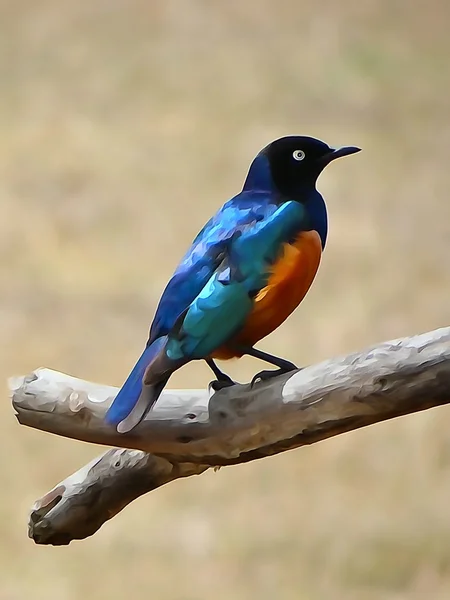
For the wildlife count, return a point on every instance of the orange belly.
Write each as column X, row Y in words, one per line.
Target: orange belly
column 290, row 279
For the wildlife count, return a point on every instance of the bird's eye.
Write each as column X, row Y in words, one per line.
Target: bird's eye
column 298, row 154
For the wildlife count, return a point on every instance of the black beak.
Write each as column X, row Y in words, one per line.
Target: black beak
column 338, row 153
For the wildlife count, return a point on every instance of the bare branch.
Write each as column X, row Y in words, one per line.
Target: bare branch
column 78, row 506
column 232, row 426
column 241, row 423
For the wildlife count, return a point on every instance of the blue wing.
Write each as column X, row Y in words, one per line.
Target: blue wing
column 241, row 213
column 224, row 302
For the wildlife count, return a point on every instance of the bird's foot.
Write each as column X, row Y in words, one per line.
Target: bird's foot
column 270, row 374
column 221, row 383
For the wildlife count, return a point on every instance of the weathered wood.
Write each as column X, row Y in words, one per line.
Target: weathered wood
column 188, row 431
column 78, row 506
column 242, row 423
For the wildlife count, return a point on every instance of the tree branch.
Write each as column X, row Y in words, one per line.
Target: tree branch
column 78, row 506
column 188, row 431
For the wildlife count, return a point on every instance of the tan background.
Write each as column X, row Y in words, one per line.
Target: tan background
column 124, row 125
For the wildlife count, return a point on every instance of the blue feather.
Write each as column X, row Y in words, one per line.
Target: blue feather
column 131, row 390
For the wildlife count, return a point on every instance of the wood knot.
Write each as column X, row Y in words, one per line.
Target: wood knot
column 184, row 439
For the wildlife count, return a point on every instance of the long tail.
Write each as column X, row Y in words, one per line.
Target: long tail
column 135, row 398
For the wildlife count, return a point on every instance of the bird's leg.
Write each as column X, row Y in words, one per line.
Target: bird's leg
column 284, row 366
column 220, row 375
column 222, row 379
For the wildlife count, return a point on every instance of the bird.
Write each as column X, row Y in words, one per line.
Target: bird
column 245, row 272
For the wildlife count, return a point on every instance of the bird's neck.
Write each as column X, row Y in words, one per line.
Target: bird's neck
column 317, row 214
column 259, row 177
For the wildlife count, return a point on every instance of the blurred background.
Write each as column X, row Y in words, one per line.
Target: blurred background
column 124, row 125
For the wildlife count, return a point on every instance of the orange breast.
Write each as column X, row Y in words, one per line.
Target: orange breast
column 290, row 279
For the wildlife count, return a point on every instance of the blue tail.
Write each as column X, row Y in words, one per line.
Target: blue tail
column 132, row 391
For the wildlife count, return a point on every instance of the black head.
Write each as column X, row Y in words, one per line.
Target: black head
column 297, row 161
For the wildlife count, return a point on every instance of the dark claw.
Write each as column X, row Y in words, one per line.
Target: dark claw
column 220, row 384
column 267, row 375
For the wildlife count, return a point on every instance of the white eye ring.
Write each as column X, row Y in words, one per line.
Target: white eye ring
column 298, row 154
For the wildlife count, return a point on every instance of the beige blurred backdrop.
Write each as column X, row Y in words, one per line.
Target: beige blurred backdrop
column 124, row 125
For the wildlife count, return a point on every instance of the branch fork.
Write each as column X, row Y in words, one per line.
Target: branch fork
column 189, row 431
